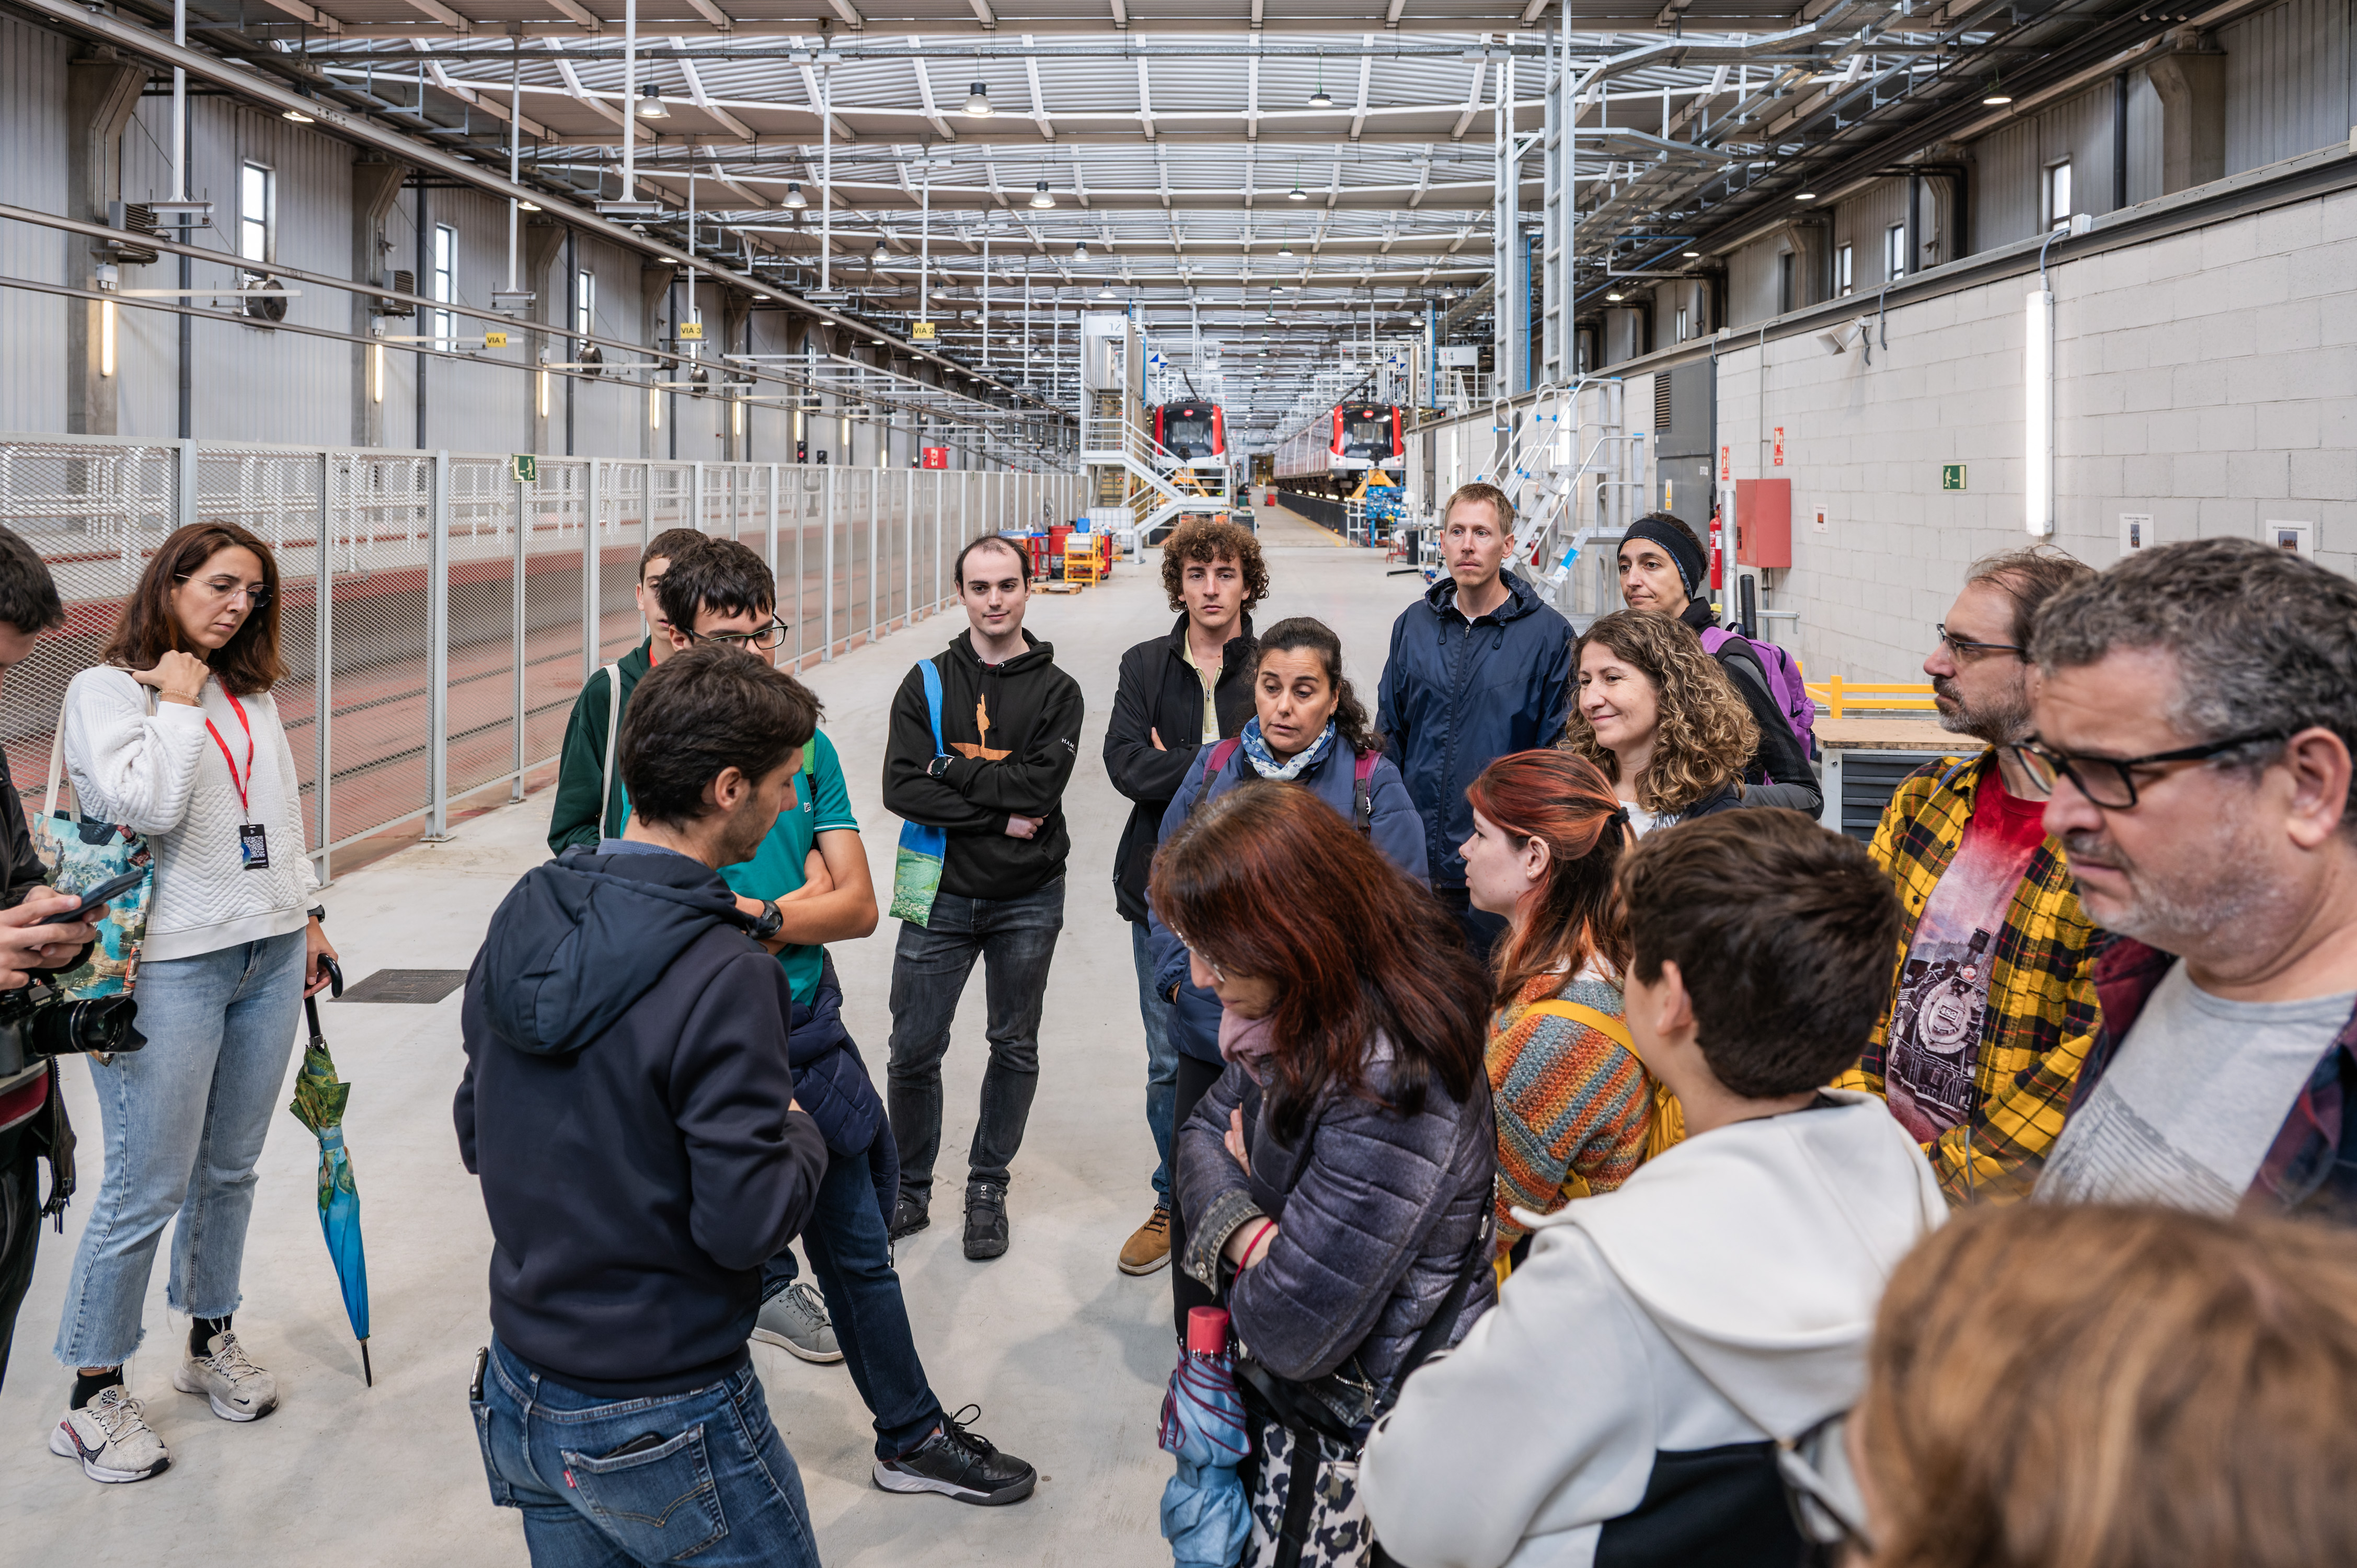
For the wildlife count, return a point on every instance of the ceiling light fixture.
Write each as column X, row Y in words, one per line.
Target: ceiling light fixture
column 1039, row 196
column 1285, row 250
column 794, row 197
column 651, row 104
column 1804, row 196
column 298, row 116
column 977, row 103
column 527, row 207
column 1997, row 100
column 1296, row 193
column 1693, row 255
column 1614, row 298
column 883, row 252
column 1080, row 250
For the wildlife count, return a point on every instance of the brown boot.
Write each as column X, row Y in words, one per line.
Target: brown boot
column 1148, row 1247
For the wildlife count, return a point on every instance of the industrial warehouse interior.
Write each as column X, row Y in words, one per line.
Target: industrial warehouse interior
column 1940, row 415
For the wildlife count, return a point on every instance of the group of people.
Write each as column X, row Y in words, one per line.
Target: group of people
column 1568, row 1126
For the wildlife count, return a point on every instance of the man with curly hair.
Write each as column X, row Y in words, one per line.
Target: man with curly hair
column 1179, row 693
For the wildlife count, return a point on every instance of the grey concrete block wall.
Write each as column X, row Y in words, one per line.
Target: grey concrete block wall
column 2207, row 380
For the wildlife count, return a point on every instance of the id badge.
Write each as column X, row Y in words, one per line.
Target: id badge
column 254, row 846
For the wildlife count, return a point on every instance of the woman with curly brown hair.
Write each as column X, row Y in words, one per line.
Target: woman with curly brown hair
column 2057, row 1386
column 1656, row 714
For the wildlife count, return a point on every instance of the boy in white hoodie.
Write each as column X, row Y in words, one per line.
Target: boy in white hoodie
column 1621, row 1405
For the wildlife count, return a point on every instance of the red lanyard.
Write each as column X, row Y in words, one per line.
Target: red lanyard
column 235, row 783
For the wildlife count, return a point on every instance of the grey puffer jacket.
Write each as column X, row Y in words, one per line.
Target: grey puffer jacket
column 1375, row 1212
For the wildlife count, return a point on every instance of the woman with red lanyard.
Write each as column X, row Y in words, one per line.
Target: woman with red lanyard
column 177, row 735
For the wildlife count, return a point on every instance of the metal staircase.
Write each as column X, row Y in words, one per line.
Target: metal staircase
column 1577, row 476
column 1112, row 445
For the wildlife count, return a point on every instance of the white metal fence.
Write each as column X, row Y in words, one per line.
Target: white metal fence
column 438, row 616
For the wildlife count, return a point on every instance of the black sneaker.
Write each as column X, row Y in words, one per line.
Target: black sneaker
column 985, row 1220
column 960, row 1464
column 912, row 1212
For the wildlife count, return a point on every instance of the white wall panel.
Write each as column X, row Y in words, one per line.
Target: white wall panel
column 32, row 174
column 2288, row 82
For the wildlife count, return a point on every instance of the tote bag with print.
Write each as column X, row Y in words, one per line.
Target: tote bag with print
column 80, row 853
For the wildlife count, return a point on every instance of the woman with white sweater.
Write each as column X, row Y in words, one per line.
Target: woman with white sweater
column 177, row 735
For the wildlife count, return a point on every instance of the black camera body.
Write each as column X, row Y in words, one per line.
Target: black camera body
column 36, row 1022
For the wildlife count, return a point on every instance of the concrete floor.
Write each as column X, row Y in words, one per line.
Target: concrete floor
column 1066, row 1356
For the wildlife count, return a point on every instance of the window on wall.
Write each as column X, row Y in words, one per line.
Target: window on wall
column 1788, row 282
column 1844, row 270
column 1894, row 253
column 446, row 283
column 254, row 194
column 2058, row 194
column 584, row 308
column 1682, row 326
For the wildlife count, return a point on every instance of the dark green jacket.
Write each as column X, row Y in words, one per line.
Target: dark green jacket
column 581, row 766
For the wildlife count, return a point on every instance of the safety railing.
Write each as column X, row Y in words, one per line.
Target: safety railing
column 438, row 614
column 1839, row 696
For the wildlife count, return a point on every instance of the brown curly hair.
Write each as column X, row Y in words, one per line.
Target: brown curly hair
column 1209, row 539
column 1705, row 736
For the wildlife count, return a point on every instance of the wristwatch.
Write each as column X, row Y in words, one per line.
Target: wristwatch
column 772, row 920
column 936, row 767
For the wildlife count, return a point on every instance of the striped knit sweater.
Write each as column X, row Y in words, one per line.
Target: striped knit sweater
column 1570, row 1101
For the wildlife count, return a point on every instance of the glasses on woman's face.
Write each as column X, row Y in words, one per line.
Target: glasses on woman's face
column 766, row 638
column 218, row 589
column 1217, row 977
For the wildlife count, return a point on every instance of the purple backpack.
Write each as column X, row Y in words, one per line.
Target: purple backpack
column 1783, row 672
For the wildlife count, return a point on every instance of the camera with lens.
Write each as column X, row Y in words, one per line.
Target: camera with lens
column 36, row 1021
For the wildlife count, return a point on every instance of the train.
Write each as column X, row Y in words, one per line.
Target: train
column 1341, row 446
column 1190, row 435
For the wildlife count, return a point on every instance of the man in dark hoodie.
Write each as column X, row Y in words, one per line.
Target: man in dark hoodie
column 1479, row 668
column 1008, row 732
column 628, row 1106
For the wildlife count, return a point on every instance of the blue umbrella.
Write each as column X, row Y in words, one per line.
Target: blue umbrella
column 1205, row 1516
column 319, row 1097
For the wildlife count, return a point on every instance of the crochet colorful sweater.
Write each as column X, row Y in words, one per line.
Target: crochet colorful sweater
column 1570, row 1101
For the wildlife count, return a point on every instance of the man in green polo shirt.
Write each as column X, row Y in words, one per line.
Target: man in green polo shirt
column 581, row 773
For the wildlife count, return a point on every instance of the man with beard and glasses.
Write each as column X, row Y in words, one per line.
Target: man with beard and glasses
column 2194, row 720
column 1993, row 999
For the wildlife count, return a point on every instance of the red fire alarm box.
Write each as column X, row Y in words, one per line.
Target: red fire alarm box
column 937, row 456
column 1763, row 524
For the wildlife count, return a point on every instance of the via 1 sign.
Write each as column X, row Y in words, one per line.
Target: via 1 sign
column 1952, row 476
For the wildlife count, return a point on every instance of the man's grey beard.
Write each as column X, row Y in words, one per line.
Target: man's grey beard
column 2223, row 893
column 1999, row 723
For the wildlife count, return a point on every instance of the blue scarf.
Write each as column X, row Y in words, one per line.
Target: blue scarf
column 1265, row 762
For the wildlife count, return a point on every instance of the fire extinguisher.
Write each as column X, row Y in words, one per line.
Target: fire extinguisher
column 1717, row 548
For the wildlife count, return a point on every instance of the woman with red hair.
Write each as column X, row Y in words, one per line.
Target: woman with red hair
column 1335, row 1180
column 1573, row 1103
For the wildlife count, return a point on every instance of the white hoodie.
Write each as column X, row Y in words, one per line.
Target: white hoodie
column 1746, row 1262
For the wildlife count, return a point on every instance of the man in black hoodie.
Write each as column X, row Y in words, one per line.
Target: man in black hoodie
column 628, row 1109
column 989, row 770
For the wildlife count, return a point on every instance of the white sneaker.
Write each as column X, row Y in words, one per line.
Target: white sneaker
column 239, row 1390
column 110, row 1438
column 796, row 1319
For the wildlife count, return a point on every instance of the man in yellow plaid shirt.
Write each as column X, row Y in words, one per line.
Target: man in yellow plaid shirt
column 1993, row 997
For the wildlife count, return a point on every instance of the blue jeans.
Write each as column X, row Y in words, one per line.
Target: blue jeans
column 183, row 1121
column 720, row 1485
column 852, row 1257
column 1161, row 1059
column 1016, row 940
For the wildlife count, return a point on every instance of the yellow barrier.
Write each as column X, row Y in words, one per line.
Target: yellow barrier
column 1837, row 695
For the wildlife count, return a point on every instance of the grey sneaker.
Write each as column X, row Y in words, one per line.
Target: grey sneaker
column 239, row 1390
column 110, row 1438
column 795, row 1319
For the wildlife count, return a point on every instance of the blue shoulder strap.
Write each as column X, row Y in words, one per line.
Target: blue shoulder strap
column 933, row 701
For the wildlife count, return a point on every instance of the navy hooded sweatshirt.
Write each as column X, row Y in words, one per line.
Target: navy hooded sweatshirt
column 625, row 1105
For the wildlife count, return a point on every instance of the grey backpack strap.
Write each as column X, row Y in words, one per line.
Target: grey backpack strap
column 613, row 674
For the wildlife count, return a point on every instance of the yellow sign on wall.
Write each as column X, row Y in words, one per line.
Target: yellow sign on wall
column 495, row 339
column 924, row 332
column 690, row 331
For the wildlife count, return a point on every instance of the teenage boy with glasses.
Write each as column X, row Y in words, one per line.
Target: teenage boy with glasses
column 805, row 886
column 1992, row 999
column 2194, row 720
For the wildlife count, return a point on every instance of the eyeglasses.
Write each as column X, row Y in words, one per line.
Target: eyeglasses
column 1216, row 974
column 1964, row 647
column 766, row 638
column 256, row 594
column 2110, row 781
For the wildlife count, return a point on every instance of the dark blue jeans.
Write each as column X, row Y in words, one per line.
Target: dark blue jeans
column 852, row 1257
column 1161, row 1059
column 719, row 1488
column 1016, row 940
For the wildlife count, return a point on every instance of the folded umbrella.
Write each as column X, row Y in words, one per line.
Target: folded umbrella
column 1204, row 1515
column 319, row 1097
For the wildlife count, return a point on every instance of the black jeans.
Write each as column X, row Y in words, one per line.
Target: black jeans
column 20, row 1227
column 1016, row 940
column 1196, row 1077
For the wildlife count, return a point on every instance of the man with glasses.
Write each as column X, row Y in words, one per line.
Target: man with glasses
column 1992, row 998
column 2195, row 717
column 807, row 885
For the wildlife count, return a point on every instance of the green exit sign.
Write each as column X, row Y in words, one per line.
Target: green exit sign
column 526, row 468
column 1952, row 476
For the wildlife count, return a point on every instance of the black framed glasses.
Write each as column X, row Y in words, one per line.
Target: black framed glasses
column 2110, row 781
column 766, row 638
column 1964, row 647
column 256, row 594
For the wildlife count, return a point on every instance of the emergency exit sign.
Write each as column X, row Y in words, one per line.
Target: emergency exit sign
column 1952, row 476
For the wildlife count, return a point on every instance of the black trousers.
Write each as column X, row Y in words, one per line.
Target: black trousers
column 1196, row 1077
column 20, row 1228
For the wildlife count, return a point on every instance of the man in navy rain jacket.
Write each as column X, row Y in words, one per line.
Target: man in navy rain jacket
column 1479, row 668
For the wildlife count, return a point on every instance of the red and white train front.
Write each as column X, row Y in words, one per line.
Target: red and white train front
column 1367, row 435
column 1190, row 435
